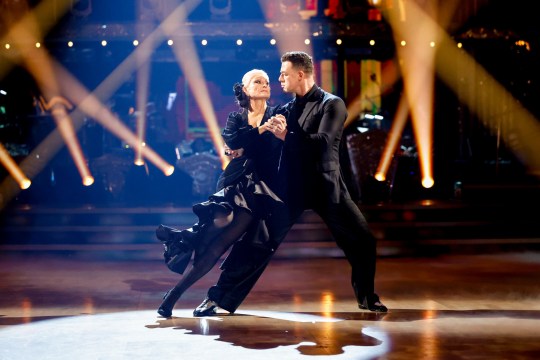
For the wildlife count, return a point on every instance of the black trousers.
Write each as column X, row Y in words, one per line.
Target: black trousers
column 247, row 261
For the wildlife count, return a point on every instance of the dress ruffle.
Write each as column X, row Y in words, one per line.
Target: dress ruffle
column 249, row 193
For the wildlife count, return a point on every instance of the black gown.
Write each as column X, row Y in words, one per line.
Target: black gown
column 249, row 183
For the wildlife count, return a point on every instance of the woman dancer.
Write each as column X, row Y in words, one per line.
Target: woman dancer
column 249, row 188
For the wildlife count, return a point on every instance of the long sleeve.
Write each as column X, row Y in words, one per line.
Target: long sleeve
column 318, row 137
column 238, row 133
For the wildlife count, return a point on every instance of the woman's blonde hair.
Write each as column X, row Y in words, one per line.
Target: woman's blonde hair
column 252, row 73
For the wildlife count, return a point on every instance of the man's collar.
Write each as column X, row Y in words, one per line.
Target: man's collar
column 301, row 100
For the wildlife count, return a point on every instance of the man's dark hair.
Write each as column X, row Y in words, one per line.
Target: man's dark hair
column 300, row 60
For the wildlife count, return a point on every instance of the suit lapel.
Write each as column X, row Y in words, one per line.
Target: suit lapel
column 305, row 114
column 310, row 105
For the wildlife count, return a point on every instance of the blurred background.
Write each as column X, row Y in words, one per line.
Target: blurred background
column 111, row 113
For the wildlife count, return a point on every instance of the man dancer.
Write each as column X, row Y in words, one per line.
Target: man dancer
column 310, row 164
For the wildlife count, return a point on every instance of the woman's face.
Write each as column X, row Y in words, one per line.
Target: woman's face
column 258, row 88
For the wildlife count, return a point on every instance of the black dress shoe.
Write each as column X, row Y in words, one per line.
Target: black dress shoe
column 177, row 251
column 165, row 310
column 190, row 237
column 207, row 308
column 166, row 313
column 372, row 303
column 163, row 232
column 168, row 235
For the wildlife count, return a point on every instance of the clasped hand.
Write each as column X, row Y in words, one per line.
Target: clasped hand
column 277, row 125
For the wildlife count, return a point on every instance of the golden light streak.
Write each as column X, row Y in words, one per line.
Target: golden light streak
column 522, row 137
column 38, row 159
column 394, row 137
column 398, row 19
column 34, row 163
column 143, row 81
column 417, row 65
column 451, row 61
column 37, row 17
column 90, row 105
column 38, row 64
column 289, row 35
column 95, row 109
column 186, row 54
column 64, row 125
column 14, row 170
column 142, row 86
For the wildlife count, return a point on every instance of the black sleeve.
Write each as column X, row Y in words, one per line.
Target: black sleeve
column 238, row 133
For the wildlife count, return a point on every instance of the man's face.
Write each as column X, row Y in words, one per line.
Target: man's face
column 289, row 77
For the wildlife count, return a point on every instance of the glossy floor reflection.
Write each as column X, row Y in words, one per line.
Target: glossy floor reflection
column 447, row 307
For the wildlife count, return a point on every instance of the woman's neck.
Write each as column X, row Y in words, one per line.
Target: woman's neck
column 257, row 107
column 256, row 112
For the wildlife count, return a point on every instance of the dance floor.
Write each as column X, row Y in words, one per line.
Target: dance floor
column 451, row 306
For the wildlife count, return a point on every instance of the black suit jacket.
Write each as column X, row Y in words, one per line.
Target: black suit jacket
column 312, row 149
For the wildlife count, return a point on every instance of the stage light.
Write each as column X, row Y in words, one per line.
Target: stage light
column 428, row 182
column 38, row 45
column 169, row 171
column 371, row 116
column 3, row 92
column 272, row 41
column 25, row 184
column 70, row 44
column 88, row 180
column 204, row 42
column 170, row 42
column 135, row 42
column 339, row 41
column 104, row 43
column 307, row 41
column 432, row 44
column 7, row 46
column 14, row 169
column 403, row 43
column 362, row 129
column 239, row 42
column 170, row 100
column 371, row 42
